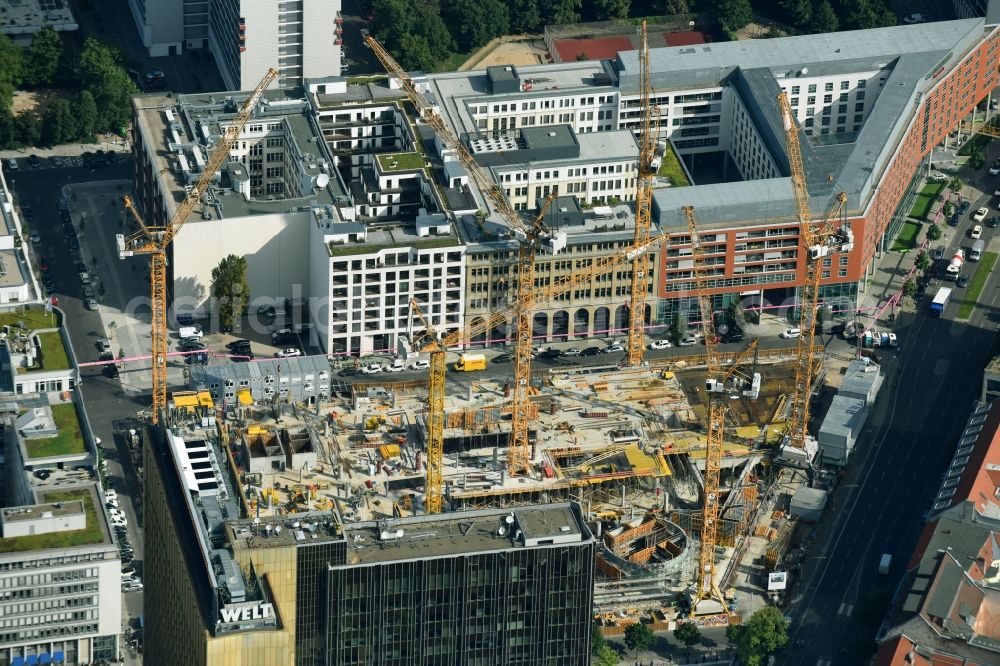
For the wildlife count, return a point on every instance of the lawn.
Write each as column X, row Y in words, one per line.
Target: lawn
column 33, row 318
column 401, row 161
column 978, row 141
column 671, row 168
column 907, row 238
column 91, row 534
column 976, row 284
column 925, row 200
column 68, row 441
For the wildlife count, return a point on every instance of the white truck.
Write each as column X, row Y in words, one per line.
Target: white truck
column 955, row 266
column 976, row 253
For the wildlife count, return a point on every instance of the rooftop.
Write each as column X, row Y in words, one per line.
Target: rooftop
column 94, row 533
column 391, row 162
column 24, row 17
column 53, row 354
column 69, row 441
column 379, row 239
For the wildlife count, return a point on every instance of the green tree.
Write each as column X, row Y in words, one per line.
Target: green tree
column 597, row 640
column 606, row 10
column 11, row 71
column 561, row 12
column 955, row 184
column 677, row 327
column 638, row 637
column 732, row 14
column 27, row 128
column 824, row 19
column 864, row 14
column 41, row 59
column 99, row 70
column 947, row 209
column 762, row 635
column 933, row 232
column 86, row 115
column 674, row 7
column 687, row 633
column 798, row 12
column 59, row 124
column 475, row 23
column 977, row 158
column 524, row 16
column 606, row 656
column 8, row 134
column 910, row 288
column 230, row 289
column 923, row 261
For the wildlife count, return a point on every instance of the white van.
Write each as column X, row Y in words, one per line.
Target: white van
column 189, row 332
column 977, row 250
column 790, row 333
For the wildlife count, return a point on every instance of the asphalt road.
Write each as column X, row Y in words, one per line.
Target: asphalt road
column 931, row 383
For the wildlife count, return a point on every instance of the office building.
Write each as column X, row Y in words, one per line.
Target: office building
column 23, row 18
column 305, row 379
column 480, row 587
column 17, row 280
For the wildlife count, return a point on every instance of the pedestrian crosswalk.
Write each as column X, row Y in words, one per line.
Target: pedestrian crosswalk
column 845, row 609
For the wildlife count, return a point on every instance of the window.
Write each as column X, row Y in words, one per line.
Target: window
column 811, row 100
column 843, row 97
column 845, row 85
column 861, row 83
column 275, row 172
column 860, row 106
column 812, row 87
column 276, row 157
column 827, row 99
column 795, row 90
column 795, row 101
column 828, row 87
column 275, row 142
column 860, row 95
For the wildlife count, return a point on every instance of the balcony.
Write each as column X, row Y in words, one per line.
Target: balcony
column 338, row 41
column 339, row 20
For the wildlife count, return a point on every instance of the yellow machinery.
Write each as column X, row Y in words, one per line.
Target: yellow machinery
column 643, row 208
column 154, row 240
column 717, row 398
column 816, row 239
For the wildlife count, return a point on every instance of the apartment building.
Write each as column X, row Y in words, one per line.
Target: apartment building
column 17, row 280
column 169, row 27
column 304, row 380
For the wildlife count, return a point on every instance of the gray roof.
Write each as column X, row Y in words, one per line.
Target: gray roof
column 724, row 204
column 856, row 380
column 949, row 575
column 809, row 498
column 844, row 417
column 205, row 375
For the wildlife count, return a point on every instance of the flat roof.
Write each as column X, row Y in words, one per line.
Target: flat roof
column 95, row 533
column 844, row 416
column 24, row 17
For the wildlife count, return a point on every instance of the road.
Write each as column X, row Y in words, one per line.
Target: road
column 931, row 383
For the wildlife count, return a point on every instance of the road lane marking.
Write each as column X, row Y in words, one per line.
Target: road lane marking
column 845, row 609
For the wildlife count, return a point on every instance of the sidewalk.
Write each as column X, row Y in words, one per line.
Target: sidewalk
column 105, row 142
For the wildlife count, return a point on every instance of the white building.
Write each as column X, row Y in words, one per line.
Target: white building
column 168, row 27
column 17, row 282
column 23, row 18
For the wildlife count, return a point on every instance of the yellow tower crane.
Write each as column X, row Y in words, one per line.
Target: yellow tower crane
column 154, row 240
column 718, row 390
column 643, row 207
column 434, row 489
column 817, row 240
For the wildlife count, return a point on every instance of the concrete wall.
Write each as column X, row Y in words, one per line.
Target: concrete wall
column 261, row 43
column 275, row 246
column 321, row 56
column 160, row 24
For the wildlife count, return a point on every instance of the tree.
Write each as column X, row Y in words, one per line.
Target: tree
column 864, row 14
column 732, row 14
column 824, row 19
column 933, row 232
column 27, row 128
column 41, row 59
column 86, row 115
column 910, row 288
column 606, row 656
column 606, row 10
column 947, row 209
column 561, row 12
column 677, row 327
column 59, row 125
column 799, row 12
column 923, row 261
column 597, row 640
column 639, row 636
column 230, row 289
column 977, row 158
column 475, row 23
column 674, row 7
column 955, row 184
column 687, row 633
column 8, row 133
column 524, row 16
column 99, row 71
column 10, row 72
column 762, row 635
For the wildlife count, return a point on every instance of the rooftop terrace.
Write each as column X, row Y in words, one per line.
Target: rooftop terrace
column 90, row 535
column 69, row 441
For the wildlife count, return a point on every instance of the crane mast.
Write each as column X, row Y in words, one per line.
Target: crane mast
column 643, row 207
column 815, row 240
column 154, row 240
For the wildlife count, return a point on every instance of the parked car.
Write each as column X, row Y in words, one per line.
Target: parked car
column 111, row 371
column 131, row 587
column 660, row 344
column 963, row 207
column 688, row 341
column 396, row 366
column 953, row 220
column 572, row 351
column 503, row 358
column 977, row 232
column 200, row 358
column 614, row 348
column 938, row 253
column 371, row 368
column 103, row 345
column 11, row 164
column 192, row 344
column 348, row 372
column 237, row 343
column 35, row 162
column 733, row 336
column 127, row 570
column 420, row 364
column 937, row 177
column 288, row 352
column 35, row 237
column 590, row 351
column 790, row 333
column 110, row 494
column 962, row 281
column 549, row 354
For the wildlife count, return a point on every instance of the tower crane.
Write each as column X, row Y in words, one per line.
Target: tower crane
column 434, row 489
column 643, row 207
column 154, row 240
column 817, row 240
column 718, row 389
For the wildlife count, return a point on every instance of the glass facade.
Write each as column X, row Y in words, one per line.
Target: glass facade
column 310, row 591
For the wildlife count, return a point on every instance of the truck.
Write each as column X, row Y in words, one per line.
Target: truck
column 940, row 300
column 884, row 564
column 470, row 362
column 955, row 266
column 977, row 250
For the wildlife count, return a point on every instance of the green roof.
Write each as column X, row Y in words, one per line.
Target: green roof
column 671, row 168
column 401, row 162
column 339, row 249
column 69, row 440
column 33, row 317
column 91, row 534
column 53, row 356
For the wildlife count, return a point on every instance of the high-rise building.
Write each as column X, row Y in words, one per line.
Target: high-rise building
column 477, row 587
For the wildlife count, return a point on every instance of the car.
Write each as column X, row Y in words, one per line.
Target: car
column 288, row 352
column 963, row 207
column 85, row 277
column 980, row 214
column 591, row 351
column 110, row 503
column 155, row 76
column 420, row 364
column 962, row 282
column 35, row 237
column 790, row 333
column 371, row 368
column 614, row 348
column 503, row 358
column 88, row 291
column 117, row 512
column 198, row 358
column 132, row 587
column 282, row 334
column 396, row 366
column 11, row 164
column 242, row 354
column 103, row 345
column 119, row 521
column 976, row 233
column 126, row 557
column 953, row 220
column 938, row 253
column 48, row 281
column 237, row 343
column 111, row 371
column 34, row 161
column 110, row 494
column 72, row 243
column 994, row 170
column 914, row 18
column 131, row 578
column 348, row 372
column 937, row 177
column 549, row 354
column 733, row 336
column 688, row 341
column 660, row 344
column 992, row 222
column 190, row 345
column 128, row 570
column 58, row 162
